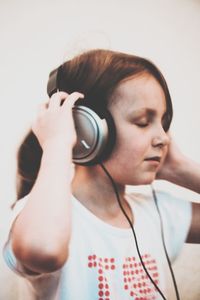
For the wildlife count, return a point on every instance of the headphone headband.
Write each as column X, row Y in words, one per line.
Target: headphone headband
column 54, row 81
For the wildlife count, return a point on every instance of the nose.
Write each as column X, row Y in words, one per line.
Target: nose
column 160, row 138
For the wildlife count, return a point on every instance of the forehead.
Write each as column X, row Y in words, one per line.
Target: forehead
column 139, row 92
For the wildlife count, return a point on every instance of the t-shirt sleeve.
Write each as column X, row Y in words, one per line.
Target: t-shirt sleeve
column 177, row 216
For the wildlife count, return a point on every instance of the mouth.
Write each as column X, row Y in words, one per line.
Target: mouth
column 154, row 159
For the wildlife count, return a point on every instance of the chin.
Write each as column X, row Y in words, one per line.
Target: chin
column 142, row 181
column 147, row 179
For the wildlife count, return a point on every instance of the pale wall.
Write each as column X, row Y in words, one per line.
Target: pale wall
column 38, row 35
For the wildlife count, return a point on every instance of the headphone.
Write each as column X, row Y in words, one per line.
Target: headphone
column 95, row 130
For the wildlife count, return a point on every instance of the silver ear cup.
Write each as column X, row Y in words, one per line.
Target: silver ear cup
column 92, row 135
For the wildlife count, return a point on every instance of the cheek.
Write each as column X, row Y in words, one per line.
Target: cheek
column 165, row 151
column 133, row 148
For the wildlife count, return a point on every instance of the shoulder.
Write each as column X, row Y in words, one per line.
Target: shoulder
column 171, row 207
column 175, row 215
column 165, row 200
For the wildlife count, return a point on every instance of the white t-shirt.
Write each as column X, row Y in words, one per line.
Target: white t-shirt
column 103, row 263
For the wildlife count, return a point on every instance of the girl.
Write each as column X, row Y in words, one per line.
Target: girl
column 76, row 234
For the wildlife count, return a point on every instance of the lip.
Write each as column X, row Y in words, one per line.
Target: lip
column 153, row 159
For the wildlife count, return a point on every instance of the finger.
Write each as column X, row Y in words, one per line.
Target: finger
column 42, row 107
column 55, row 100
column 72, row 98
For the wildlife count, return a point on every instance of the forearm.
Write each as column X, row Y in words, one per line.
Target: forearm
column 186, row 173
column 43, row 226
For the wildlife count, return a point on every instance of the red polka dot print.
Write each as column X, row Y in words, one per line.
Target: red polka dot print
column 135, row 280
column 103, row 265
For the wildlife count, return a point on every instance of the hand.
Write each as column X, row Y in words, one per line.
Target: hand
column 55, row 121
column 170, row 162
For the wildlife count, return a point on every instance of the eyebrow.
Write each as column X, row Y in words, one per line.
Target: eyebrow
column 144, row 111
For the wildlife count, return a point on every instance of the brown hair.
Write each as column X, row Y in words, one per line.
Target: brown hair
column 96, row 74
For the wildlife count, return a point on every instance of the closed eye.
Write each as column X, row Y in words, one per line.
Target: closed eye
column 142, row 125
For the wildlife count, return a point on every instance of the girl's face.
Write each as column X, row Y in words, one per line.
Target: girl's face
column 138, row 109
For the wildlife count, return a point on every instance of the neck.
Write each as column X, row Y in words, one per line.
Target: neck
column 92, row 187
column 92, row 182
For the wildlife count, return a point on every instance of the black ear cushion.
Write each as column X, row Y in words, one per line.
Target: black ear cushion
column 111, row 138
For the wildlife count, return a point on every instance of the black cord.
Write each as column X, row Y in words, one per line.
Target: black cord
column 134, row 234
column 164, row 245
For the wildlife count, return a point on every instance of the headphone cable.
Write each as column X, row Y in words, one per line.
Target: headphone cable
column 163, row 242
column 133, row 231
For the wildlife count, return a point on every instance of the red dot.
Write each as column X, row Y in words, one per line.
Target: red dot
column 106, row 267
column 100, row 271
column 107, row 293
column 156, row 281
column 112, row 267
column 101, row 286
column 90, row 265
column 94, row 256
column 100, row 278
column 100, row 293
column 107, row 286
column 126, row 287
column 106, row 260
column 112, row 260
column 90, row 257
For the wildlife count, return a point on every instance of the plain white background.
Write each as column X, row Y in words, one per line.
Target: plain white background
column 37, row 36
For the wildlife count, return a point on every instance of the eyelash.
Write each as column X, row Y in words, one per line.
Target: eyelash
column 142, row 125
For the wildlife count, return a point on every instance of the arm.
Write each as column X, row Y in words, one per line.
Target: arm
column 184, row 172
column 41, row 233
